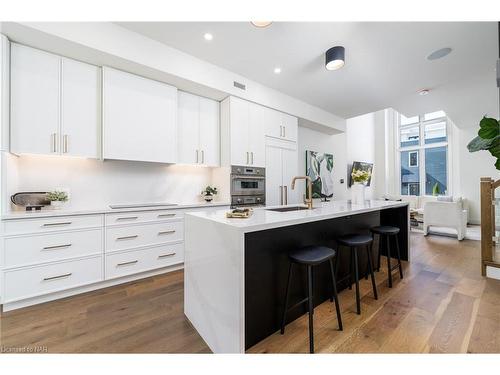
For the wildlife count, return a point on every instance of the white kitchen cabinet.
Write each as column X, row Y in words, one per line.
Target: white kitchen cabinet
column 4, row 92
column 81, row 109
column 35, row 101
column 242, row 133
column 55, row 104
column 198, row 130
column 280, row 125
column 281, row 168
column 139, row 118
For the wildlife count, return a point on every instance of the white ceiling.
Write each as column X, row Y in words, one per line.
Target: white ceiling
column 385, row 62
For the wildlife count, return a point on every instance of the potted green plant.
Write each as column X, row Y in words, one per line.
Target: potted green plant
column 57, row 198
column 488, row 139
column 360, row 177
column 208, row 193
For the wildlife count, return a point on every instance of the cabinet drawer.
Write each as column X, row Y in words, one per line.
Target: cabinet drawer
column 20, row 251
column 142, row 216
column 121, row 238
column 136, row 261
column 50, row 224
column 35, row 281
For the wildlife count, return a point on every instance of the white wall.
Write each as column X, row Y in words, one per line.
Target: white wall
column 95, row 184
column 309, row 139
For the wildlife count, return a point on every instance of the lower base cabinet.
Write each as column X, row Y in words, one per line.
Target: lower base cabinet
column 135, row 261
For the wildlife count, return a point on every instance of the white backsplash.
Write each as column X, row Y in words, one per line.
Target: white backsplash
column 93, row 184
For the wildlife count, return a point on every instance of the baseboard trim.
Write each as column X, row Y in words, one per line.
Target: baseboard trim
column 9, row 306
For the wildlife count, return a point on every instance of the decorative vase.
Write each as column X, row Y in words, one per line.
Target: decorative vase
column 56, row 205
column 208, row 198
column 358, row 193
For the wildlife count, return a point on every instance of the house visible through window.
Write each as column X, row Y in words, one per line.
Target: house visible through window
column 423, row 151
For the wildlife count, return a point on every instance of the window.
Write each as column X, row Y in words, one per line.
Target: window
column 423, row 154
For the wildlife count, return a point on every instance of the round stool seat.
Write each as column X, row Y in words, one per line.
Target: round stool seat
column 355, row 240
column 311, row 255
column 385, row 229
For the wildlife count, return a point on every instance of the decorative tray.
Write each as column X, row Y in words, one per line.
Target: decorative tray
column 240, row 213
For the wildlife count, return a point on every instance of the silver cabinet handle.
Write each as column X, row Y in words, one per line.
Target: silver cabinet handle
column 166, row 255
column 65, row 144
column 56, row 247
column 166, row 232
column 286, row 194
column 127, row 237
column 281, row 195
column 252, row 156
column 127, row 218
column 56, row 224
column 281, row 131
column 202, row 156
column 166, row 215
column 247, row 158
column 127, row 263
column 53, row 145
column 197, row 156
column 284, row 131
column 57, row 277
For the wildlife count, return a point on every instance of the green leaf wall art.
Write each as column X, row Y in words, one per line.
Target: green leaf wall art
column 319, row 167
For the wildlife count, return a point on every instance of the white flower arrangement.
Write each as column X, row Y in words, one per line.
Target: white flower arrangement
column 361, row 176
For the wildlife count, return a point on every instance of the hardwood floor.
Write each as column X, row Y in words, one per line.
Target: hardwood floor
column 443, row 305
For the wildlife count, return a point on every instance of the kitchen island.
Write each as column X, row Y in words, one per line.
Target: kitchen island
column 236, row 269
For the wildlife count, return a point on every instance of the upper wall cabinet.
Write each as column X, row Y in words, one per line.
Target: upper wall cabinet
column 139, row 118
column 55, row 104
column 280, row 125
column 4, row 92
column 198, row 130
column 243, row 138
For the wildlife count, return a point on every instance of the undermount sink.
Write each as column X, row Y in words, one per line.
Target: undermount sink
column 286, row 209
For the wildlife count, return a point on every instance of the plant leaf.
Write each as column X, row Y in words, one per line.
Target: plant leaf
column 497, row 164
column 495, row 148
column 489, row 128
column 478, row 144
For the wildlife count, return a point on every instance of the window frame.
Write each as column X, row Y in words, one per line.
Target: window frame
column 421, row 147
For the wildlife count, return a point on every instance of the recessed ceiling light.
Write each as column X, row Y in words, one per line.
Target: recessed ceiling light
column 335, row 58
column 261, row 24
column 439, row 54
column 423, row 92
column 208, row 36
column 277, row 70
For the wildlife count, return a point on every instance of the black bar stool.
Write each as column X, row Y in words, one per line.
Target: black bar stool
column 353, row 242
column 385, row 233
column 310, row 256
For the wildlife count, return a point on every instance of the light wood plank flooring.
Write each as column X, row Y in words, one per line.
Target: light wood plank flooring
column 442, row 305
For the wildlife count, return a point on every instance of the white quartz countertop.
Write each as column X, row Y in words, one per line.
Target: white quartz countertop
column 262, row 218
column 69, row 211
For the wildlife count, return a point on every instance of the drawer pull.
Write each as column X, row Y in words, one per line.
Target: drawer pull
column 166, row 255
column 166, row 215
column 56, row 224
column 57, row 277
column 166, row 232
column 127, row 263
column 56, row 247
column 127, row 237
column 127, row 218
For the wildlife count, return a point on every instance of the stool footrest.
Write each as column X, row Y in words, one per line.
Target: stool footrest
column 298, row 304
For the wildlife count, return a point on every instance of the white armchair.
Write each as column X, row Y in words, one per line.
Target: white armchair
column 449, row 214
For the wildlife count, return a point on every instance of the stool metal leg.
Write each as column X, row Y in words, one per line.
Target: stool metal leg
column 389, row 261
column 311, row 308
column 287, row 296
column 336, row 298
column 351, row 266
column 370, row 266
column 379, row 252
column 399, row 256
column 356, row 274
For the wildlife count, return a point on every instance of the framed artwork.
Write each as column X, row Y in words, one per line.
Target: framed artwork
column 319, row 167
column 356, row 165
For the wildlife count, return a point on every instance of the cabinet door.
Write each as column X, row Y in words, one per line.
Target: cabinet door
column 209, row 132
column 272, row 123
column 140, row 118
column 239, row 120
column 290, row 170
column 256, row 136
column 35, row 101
column 81, row 109
column 274, row 183
column 290, row 125
column 188, row 128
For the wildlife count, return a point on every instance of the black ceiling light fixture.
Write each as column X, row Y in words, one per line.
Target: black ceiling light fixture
column 335, row 58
